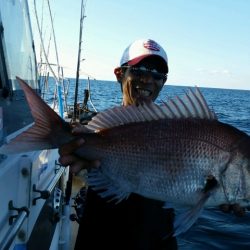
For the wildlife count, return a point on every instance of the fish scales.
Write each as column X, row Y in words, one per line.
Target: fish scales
column 154, row 164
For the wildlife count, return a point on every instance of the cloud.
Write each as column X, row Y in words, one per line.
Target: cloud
column 213, row 72
column 223, row 72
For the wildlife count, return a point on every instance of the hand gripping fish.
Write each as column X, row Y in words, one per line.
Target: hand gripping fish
column 177, row 152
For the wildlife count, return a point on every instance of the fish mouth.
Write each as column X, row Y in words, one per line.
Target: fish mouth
column 143, row 92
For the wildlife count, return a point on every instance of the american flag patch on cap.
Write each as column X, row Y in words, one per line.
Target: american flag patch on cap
column 151, row 45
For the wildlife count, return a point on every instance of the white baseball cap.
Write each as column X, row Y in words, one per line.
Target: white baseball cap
column 142, row 48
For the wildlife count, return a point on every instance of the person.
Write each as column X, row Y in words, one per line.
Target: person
column 137, row 222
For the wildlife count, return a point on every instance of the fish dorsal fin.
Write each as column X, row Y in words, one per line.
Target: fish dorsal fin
column 191, row 105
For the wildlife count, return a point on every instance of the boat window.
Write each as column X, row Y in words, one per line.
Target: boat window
column 17, row 58
column 17, row 40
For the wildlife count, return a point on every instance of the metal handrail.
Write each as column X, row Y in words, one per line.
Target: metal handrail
column 23, row 214
column 13, row 230
column 55, row 179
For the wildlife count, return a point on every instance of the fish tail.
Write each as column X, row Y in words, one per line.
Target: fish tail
column 47, row 132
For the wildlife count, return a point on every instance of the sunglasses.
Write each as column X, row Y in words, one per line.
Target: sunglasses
column 141, row 71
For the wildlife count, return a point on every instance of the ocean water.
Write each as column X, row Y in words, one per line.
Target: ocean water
column 231, row 106
column 214, row 229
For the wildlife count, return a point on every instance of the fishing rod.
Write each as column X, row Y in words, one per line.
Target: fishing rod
column 79, row 58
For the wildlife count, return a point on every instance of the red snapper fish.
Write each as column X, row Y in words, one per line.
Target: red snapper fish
column 177, row 152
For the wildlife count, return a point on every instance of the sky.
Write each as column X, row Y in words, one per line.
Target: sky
column 207, row 41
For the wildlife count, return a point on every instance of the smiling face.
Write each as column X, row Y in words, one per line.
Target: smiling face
column 141, row 82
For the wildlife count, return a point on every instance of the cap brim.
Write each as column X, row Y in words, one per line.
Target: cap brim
column 140, row 58
column 137, row 60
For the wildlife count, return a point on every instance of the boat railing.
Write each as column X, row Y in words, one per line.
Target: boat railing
column 16, row 224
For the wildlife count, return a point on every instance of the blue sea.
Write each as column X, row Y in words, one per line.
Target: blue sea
column 231, row 106
column 214, row 229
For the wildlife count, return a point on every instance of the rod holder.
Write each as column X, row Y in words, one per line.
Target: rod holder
column 45, row 194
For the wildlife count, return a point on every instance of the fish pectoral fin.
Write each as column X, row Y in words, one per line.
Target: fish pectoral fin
column 185, row 220
column 105, row 187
